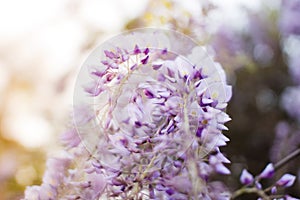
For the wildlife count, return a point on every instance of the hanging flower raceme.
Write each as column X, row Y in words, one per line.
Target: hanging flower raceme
column 154, row 106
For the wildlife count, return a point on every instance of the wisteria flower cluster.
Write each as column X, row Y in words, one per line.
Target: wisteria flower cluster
column 152, row 130
column 253, row 184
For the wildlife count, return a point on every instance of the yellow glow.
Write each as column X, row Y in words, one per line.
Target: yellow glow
column 26, row 175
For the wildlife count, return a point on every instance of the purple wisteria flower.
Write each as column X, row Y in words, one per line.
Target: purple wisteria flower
column 155, row 103
column 268, row 172
column 252, row 184
column 69, row 176
column 286, row 180
column 246, row 178
column 289, row 23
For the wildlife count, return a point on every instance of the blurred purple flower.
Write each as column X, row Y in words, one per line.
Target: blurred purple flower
column 287, row 197
column 273, row 190
column 70, row 138
column 286, row 140
column 294, row 68
column 289, row 23
column 258, row 185
column 280, row 143
column 290, row 100
column 227, row 40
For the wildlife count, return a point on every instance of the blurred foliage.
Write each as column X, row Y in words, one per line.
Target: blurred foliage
column 19, row 167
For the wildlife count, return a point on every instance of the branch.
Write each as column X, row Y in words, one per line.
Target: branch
column 287, row 159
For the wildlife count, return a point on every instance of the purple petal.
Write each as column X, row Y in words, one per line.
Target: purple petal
column 138, row 124
column 113, row 65
column 199, row 131
column 145, row 60
column 161, row 78
column 151, row 192
column 164, row 51
column 109, row 54
column 220, row 168
column 268, row 172
column 171, row 73
column 286, row 180
column 273, row 190
column 125, row 57
column 94, row 89
column 105, row 62
column 70, row 138
column 197, row 75
column 136, row 50
column 116, row 182
column 146, row 51
column 179, row 184
column 156, row 66
column 177, row 164
column 170, row 191
column 246, row 178
column 133, row 67
column 207, row 101
column 98, row 183
column 258, row 185
column 148, row 94
column 97, row 72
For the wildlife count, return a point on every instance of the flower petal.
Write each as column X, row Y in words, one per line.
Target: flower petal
column 246, row 178
column 286, row 180
column 268, row 172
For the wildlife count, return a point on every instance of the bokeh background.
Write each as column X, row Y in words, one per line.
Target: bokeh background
column 43, row 43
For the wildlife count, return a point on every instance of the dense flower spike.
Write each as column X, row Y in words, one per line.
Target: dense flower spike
column 159, row 116
column 290, row 100
column 152, row 123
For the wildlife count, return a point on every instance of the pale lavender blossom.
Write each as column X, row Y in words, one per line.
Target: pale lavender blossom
column 287, row 180
column 268, row 172
column 253, row 184
column 290, row 28
column 291, row 101
column 274, row 190
column 246, row 178
column 289, row 23
column 294, row 68
column 70, row 138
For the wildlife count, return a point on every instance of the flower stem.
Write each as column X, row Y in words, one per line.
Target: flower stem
column 253, row 190
column 287, row 159
column 262, row 193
